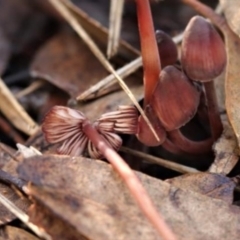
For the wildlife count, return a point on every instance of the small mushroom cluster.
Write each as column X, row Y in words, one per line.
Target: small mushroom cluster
column 172, row 94
column 176, row 96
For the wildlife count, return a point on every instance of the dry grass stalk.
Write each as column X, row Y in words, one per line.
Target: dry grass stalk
column 115, row 21
column 16, row 114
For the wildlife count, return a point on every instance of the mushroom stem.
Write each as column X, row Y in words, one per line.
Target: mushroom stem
column 130, row 179
column 213, row 112
column 149, row 48
column 190, row 146
column 172, row 148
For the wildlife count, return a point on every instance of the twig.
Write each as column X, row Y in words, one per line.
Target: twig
column 9, row 130
column 31, row 88
column 162, row 162
column 115, row 21
column 16, row 114
column 207, row 12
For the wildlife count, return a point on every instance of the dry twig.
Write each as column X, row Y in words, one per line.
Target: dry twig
column 16, row 114
column 115, row 21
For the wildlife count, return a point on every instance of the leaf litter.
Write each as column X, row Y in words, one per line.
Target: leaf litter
column 65, row 179
column 87, row 198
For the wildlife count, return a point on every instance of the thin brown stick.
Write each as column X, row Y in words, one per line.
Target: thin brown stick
column 31, row 88
column 160, row 161
column 135, row 187
column 207, row 12
column 10, row 131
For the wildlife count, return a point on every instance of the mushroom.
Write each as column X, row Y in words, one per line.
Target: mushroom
column 203, row 58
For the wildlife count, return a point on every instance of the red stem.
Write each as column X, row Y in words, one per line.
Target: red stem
column 149, row 48
column 190, row 146
column 130, row 179
column 170, row 147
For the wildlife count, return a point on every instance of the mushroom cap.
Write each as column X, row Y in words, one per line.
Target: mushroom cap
column 167, row 48
column 203, row 54
column 175, row 99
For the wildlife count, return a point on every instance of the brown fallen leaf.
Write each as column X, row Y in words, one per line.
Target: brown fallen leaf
column 226, row 151
column 11, row 28
column 71, row 225
column 232, row 84
column 93, row 27
column 219, row 84
column 66, row 62
column 191, row 215
column 209, row 184
column 231, row 9
column 14, row 233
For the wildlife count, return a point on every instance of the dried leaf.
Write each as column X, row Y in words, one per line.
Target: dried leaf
column 232, row 84
column 209, row 184
column 93, row 27
column 96, row 181
column 231, row 9
column 65, row 62
column 14, row 233
column 12, row 39
column 219, row 84
column 226, row 151
column 70, row 225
